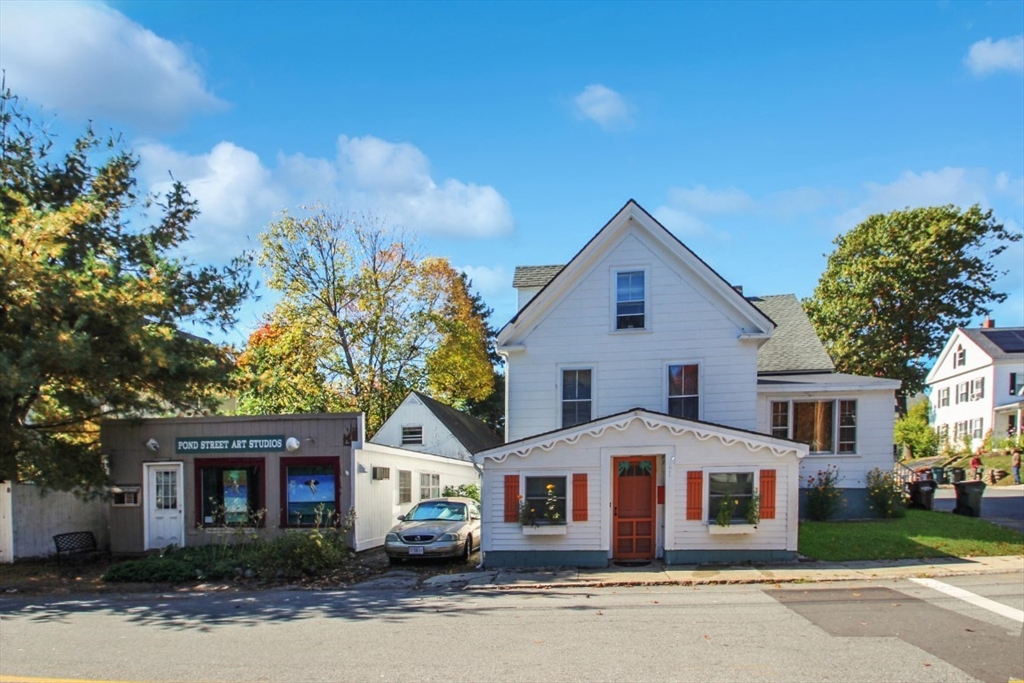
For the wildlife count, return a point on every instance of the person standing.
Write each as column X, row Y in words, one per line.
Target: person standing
column 976, row 466
column 1015, row 464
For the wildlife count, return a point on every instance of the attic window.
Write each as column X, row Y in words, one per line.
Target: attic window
column 960, row 357
column 412, row 436
column 630, row 300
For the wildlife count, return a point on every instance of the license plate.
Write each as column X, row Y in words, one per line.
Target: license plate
column 415, row 550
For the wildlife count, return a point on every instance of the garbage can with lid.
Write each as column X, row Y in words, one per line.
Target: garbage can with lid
column 968, row 497
column 939, row 475
column 959, row 474
column 922, row 494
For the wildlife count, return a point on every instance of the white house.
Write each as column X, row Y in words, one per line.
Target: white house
column 644, row 393
column 422, row 424
column 975, row 384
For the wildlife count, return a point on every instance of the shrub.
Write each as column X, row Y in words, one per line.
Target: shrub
column 886, row 493
column 311, row 551
column 463, row 491
column 823, row 494
column 154, row 569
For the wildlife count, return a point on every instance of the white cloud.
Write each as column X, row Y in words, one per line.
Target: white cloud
column 88, row 59
column 488, row 281
column 604, row 106
column 701, row 200
column 394, row 179
column 237, row 195
column 987, row 56
column 958, row 186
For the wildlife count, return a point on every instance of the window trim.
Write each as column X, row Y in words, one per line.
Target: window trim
column 313, row 461
column 837, row 426
column 199, row 464
column 562, row 369
column 399, row 487
column 755, row 473
column 666, row 369
column 555, row 474
column 614, row 322
column 410, row 442
column 430, row 486
column 943, row 397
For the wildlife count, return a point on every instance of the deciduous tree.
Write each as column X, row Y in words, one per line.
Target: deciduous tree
column 898, row 284
column 377, row 318
column 92, row 305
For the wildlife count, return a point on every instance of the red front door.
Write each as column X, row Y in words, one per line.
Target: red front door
column 633, row 512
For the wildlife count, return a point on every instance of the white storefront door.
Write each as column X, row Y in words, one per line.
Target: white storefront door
column 165, row 516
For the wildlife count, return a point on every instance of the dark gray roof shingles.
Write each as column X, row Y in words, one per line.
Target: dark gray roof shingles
column 471, row 432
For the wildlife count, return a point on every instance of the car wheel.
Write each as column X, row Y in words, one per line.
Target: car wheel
column 468, row 550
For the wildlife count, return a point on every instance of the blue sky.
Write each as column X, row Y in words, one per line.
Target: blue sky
column 507, row 134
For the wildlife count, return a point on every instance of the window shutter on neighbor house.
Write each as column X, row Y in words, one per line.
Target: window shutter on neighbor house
column 511, row 497
column 694, row 494
column 579, row 497
column 767, row 494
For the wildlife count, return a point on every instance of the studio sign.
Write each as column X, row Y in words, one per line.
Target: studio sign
column 230, row 444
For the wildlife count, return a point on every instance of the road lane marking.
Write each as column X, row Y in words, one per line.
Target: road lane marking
column 973, row 598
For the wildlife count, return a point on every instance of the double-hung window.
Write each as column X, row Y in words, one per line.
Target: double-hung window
column 577, row 397
column 430, row 485
column 404, row 487
column 960, row 357
column 630, row 300
column 978, row 389
column 963, row 390
column 734, row 489
column 683, row 391
column 1014, row 387
column 825, row 426
column 944, row 397
column 977, row 428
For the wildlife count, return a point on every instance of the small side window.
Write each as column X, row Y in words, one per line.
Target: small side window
column 125, row 496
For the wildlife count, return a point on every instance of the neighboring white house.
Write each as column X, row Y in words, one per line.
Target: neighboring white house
column 643, row 391
column 975, row 384
column 425, row 425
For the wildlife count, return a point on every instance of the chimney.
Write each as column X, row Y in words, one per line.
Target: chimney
column 738, row 288
column 988, row 324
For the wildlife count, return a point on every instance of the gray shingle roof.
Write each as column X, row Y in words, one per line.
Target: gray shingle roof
column 1000, row 343
column 534, row 276
column 794, row 346
column 471, row 432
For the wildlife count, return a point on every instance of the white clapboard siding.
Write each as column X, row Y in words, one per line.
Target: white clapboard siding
column 675, row 455
column 376, row 502
column 34, row 517
column 686, row 325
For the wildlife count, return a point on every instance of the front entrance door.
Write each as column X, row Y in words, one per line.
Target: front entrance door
column 633, row 518
column 165, row 517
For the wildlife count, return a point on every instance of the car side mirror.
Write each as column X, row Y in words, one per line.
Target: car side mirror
column 401, row 518
column 473, row 517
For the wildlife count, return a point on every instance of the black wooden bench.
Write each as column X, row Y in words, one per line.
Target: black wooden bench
column 75, row 543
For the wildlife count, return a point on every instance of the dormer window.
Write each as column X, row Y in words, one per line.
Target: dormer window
column 630, row 300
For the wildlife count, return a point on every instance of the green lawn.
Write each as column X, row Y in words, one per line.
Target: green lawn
column 922, row 533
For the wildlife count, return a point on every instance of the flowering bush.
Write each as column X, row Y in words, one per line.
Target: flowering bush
column 823, row 494
column 886, row 494
column 725, row 510
column 551, row 505
column 527, row 514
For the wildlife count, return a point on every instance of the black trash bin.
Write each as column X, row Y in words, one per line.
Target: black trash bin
column 959, row 474
column 968, row 497
column 939, row 475
column 922, row 494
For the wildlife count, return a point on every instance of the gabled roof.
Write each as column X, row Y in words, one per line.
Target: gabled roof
column 473, row 434
column 1000, row 343
column 677, row 426
column 794, row 346
column 629, row 216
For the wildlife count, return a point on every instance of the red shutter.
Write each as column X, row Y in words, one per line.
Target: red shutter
column 579, row 498
column 767, row 494
column 511, row 497
column 694, row 494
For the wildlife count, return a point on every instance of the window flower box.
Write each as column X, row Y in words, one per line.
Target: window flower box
column 545, row 530
column 731, row 529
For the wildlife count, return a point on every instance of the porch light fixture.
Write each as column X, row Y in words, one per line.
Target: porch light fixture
column 292, row 444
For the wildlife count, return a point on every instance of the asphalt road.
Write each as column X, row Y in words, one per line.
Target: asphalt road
column 842, row 631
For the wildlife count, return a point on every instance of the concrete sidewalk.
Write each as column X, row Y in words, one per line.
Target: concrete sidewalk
column 656, row 574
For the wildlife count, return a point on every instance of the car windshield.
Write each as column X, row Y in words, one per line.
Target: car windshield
column 455, row 512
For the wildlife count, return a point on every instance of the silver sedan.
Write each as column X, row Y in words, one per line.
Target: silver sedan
column 439, row 527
